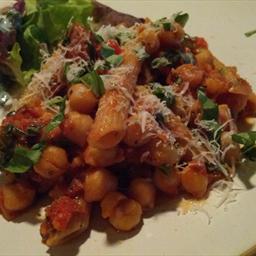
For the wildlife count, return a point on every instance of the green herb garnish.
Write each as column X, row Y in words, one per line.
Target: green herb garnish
column 247, row 139
column 106, row 51
column 24, row 158
column 115, row 60
column 165, row 169
column 95, row 83
column 141, row 53
column 58, row 119
column 164, row 94
column 250, row 33
column 160, row 62
column 209, row 107
column 167, row 25
column 181, row 18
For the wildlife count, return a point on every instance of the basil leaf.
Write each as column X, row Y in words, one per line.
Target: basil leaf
column 181, row 18
column 106, row 51
column 164, row 94
column 250, row 33
column 160, row 62
column 94, row 81
column 210, row 108
column 213, row 127
column 115, row 60
column 247, row 139
column 160, row 118
column 165, row 169
column 23, row 158
column 167, row 25
column 58, row 119
column 56, row 101
column 33, row 130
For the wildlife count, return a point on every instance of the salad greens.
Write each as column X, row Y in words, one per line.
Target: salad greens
column 46, row 22
column 32, row 25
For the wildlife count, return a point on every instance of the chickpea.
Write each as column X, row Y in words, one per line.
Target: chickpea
column 215, row 85
column 52, row 163
column 126, row 215
column 162, row 153
column 133, row 134
column 103, row 157
column 190, row 73
column 17, row 196
column 171, row 38
column 109, row 202
column 204, row 58
column 98, row 182
column 82, row 99
column 144, row 192
column 231, row 149
column 194, row 179
column 150, row 40
column 76, row 127
column 169, row 184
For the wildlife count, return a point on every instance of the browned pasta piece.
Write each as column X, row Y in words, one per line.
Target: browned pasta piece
column 103, row 157
column 110, row 122
column 65, row 219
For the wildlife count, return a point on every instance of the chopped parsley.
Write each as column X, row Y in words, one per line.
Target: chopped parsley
column 209, row 107
column 106, row 51
column 181, row 18
column 58, row 118
column 165, row 169
column 250, row 33
column 160, row 62
column 164, row 94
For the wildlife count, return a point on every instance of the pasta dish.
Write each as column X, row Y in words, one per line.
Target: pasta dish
column 112, row 112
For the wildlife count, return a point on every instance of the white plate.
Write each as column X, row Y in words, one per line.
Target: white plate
column 231, row 231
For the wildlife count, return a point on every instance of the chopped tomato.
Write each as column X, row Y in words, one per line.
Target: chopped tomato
column 26, row 117
column 61, row 212
column 115, row 45
column 76, row 187
column 200, row 42
column 23, row 118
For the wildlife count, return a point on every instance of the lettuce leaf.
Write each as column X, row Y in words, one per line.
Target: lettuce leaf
column 46, row 22
column 11, row 66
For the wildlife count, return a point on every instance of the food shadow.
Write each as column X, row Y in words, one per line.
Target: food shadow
column 246, row 174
